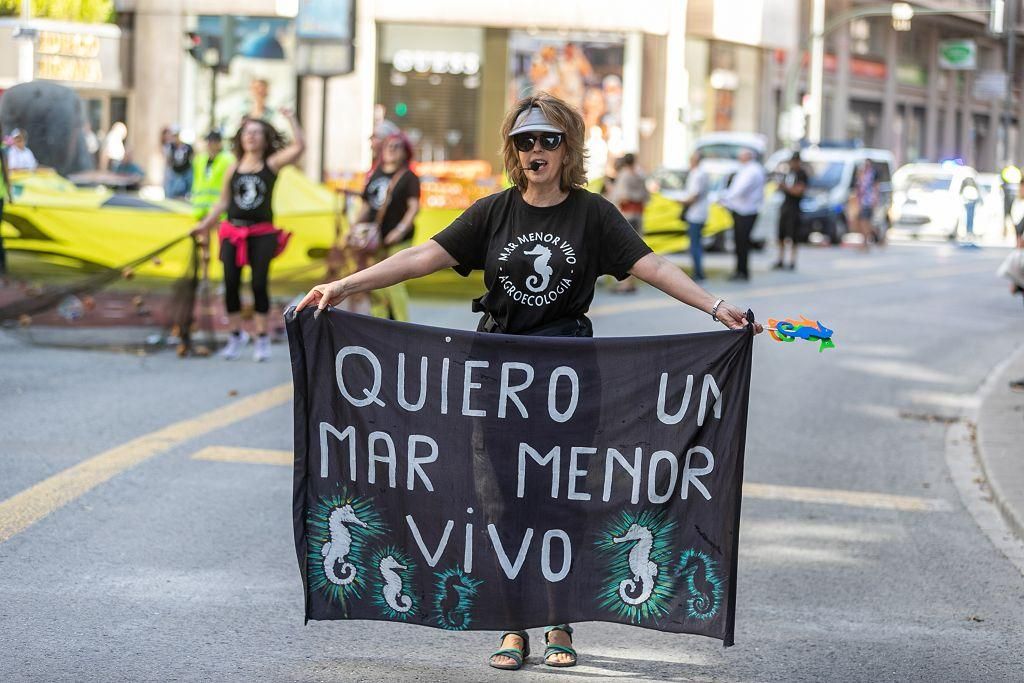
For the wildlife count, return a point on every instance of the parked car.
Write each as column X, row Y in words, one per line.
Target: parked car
column 832, row 177
column 929, row 200
column 663, row 215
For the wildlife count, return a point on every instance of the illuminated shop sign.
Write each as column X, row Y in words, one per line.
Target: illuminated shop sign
column 436, row 61
column 68, row 57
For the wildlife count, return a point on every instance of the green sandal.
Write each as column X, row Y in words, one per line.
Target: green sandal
column 518, row 656
column 552, row 649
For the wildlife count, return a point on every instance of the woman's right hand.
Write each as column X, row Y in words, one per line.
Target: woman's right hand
column 325, row 295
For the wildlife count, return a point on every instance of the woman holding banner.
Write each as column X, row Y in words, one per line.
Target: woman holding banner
column 542, row 244
column 248, row 236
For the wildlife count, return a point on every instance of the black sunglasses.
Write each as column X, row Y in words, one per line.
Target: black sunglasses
column 550, row 141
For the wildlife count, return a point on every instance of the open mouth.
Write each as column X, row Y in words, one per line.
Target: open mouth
column 537, row 164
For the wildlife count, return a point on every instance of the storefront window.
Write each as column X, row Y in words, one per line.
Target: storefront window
column 585, row 70
column 428, row 82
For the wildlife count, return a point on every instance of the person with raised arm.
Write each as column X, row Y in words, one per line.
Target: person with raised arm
column 248, row 235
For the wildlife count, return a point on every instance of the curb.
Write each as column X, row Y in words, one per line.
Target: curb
column 1000, row 440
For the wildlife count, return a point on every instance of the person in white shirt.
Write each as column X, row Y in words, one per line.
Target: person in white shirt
column 695, row 211
column 20, row 157
column 743, row 198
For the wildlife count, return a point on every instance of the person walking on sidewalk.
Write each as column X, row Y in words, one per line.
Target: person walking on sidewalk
column 743, row 198
column 533, row 289
column 793, row 186
column 629, row 193
column 695, row 211
column 248, row 236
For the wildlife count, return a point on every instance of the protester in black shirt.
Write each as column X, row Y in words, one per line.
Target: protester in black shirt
column 793, row 186
column 249, row 236
column 178, row 170
column 391, row 200
column 542, row 244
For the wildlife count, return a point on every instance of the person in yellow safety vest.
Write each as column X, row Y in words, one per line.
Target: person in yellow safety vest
column 208, row 174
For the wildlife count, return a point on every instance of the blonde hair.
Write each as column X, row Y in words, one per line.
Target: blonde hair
column 561, row 114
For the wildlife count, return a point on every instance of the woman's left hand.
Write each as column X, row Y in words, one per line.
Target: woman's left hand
column 395, row 236
column 735, row 319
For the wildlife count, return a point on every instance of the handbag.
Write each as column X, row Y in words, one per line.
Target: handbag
column 365, row 238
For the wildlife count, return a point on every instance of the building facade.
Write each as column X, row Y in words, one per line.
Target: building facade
column 934, row 92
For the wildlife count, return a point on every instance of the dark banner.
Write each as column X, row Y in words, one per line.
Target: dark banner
column 488, row 482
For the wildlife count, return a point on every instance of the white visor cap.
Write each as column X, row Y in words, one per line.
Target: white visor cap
column 533, row 121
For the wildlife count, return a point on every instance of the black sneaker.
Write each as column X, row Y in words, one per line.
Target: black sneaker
column 779, row 265
column 791, row 266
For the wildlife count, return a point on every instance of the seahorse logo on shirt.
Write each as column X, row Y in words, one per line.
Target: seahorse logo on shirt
column 249, row 191
column 536, row 268
column 539, row 282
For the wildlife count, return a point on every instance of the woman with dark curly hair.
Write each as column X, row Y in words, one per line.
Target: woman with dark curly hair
column 542, row 244
column 248, row 235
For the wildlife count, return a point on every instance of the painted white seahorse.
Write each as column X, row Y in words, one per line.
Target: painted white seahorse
column 539, row 282
column 393, row 585
column 640, row 564
column 337, row 548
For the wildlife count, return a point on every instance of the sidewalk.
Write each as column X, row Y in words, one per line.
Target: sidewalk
column 1001, row 443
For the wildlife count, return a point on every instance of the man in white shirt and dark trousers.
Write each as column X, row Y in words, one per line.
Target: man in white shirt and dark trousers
column 743, row 198
column 695, row 212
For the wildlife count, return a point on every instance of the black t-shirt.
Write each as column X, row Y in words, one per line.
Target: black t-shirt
column 376, row 192
column 797, row 177
column 179, row 157
column 541, row 263
column 251, row 195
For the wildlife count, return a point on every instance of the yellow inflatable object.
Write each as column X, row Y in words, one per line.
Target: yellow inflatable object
column 96, row 228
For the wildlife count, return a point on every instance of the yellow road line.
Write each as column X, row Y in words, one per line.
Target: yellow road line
column 800, row 288
column 798, row 494
column 861, row 499
column 253, row 456
column 26, row 508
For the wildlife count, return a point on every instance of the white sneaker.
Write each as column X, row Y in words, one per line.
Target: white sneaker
column 233, row 350
column 262, row 350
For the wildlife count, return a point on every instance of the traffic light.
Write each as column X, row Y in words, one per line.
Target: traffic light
column 207, row 50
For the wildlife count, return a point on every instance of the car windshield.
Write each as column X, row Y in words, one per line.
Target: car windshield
column 825, row 174
column 723, row 150
column 671, row 180
column 928, row 183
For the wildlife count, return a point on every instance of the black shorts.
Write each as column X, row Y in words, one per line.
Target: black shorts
column 789, row 223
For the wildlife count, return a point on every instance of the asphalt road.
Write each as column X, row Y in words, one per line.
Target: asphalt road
column 858, row 560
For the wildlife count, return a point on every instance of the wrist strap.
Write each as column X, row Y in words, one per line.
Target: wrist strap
column 714, row 310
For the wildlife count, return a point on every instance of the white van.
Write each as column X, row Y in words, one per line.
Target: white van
column 832, row 174
column 930, row 200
